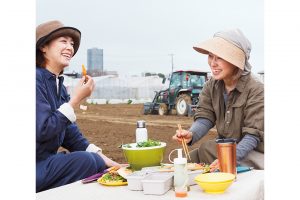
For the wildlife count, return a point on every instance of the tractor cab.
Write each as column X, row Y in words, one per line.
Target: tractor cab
column 185, row 82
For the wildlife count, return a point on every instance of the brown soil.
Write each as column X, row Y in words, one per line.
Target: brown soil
column 110, row 125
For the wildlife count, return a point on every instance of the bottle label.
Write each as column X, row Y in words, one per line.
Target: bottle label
column 180, row 175
column 141, row 135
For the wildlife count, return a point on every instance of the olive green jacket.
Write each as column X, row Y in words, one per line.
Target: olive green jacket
column 244, row 112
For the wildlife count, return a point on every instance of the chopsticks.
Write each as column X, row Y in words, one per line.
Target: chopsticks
column 184, row 145
column 98, row 175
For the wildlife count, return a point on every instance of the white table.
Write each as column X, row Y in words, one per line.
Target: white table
column 249, row 186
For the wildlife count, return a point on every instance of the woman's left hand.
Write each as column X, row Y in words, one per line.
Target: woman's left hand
column 214, row 165
column 109, row 162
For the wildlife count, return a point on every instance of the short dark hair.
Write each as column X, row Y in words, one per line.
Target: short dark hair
column 40, row 59
column 237, row 73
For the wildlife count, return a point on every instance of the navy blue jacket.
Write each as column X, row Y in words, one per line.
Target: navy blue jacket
column 53, row 129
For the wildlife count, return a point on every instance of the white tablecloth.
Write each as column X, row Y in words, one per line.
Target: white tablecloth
column 248, row 186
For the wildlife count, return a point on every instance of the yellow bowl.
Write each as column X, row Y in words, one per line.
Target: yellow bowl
column 214, row 183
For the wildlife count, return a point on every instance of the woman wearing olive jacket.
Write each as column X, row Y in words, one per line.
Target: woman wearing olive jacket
column 232, row 100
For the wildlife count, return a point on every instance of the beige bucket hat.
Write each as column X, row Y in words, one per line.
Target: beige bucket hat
column 53, row 29
column 223, row 49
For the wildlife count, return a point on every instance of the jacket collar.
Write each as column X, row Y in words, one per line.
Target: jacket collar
column 48, row 74
column 240, row 86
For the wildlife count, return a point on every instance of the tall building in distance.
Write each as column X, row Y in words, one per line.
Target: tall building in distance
column 95, row 61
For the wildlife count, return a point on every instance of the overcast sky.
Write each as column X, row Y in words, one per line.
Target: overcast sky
column 139, row 35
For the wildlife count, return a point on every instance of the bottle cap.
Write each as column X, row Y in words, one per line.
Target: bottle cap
column 180, row 159
column 141, row 124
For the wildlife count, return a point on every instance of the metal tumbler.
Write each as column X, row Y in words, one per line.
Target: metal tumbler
column 226, row 151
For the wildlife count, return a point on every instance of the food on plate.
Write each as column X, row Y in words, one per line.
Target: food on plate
column 124, row 172
column 197, row 166
column 96, row 176
column 190, row 166
column 112, row 177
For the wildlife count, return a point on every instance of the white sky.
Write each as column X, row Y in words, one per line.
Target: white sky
column 139, row 35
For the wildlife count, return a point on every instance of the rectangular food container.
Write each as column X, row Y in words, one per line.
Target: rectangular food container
column 157, row 183
column 151, row 169
column 134, row 180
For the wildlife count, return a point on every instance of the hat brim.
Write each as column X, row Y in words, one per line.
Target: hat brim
column 224, row 50
column 74, row 33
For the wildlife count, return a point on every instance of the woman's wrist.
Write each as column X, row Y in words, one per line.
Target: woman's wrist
column 73, row 102
column 191, row 137
column 108, row 162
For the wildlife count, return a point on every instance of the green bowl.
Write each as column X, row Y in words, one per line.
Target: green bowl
column 144, row 156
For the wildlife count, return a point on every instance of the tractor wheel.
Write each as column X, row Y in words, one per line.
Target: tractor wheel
column 163, row 109
column 143, row 112
column 182, row 104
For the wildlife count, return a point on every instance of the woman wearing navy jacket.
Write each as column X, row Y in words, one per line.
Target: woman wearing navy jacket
column 56, row 44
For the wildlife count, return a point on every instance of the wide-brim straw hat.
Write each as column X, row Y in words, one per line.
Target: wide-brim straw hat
column 223, row 49
column 54, row 29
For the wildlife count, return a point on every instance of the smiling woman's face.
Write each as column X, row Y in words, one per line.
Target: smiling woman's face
column 59, row 51
column 220, row 68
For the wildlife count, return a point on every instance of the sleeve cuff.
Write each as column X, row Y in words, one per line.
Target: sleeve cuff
column 67, row 110
column 93, row 148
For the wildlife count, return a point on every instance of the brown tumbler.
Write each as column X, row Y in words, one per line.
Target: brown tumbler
column 226, row 150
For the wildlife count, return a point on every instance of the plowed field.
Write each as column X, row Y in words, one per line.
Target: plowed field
column 110, row 125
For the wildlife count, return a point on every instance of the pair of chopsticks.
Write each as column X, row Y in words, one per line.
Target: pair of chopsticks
column 184, row 145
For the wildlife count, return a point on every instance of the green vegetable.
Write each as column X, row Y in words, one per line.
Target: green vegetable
column 127, row 146
column 206, row 168
column 148, row 143
column 112, row 177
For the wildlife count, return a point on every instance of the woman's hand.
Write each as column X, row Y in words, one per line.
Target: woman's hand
column 82, row 90
column 109, row 162
column 214, row 165
column 187, row 135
